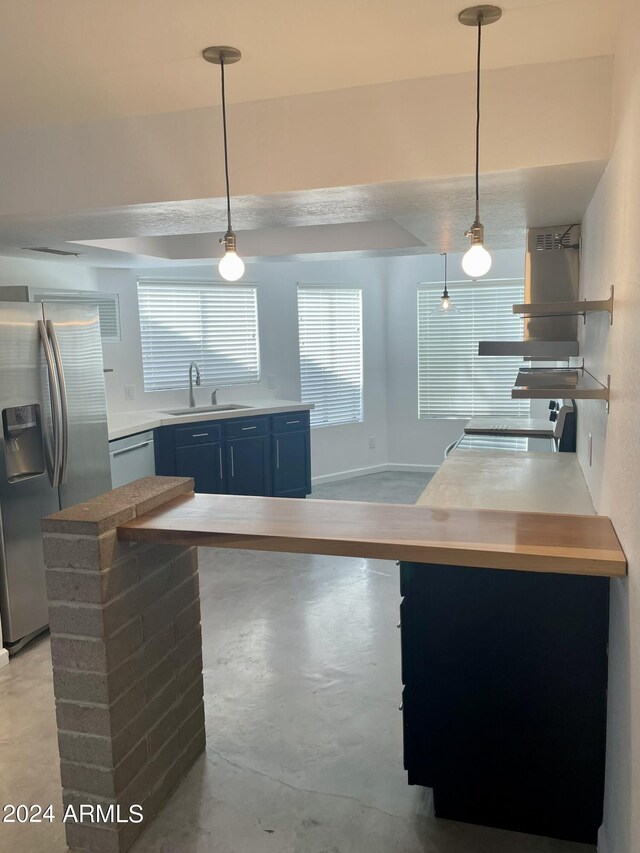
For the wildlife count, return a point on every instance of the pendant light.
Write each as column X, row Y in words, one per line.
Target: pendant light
column 231, row 266
column 446, row 306
column 476, row 262
column 445, row 300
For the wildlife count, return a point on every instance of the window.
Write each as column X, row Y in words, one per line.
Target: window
column 330, row 330
column 214, row 325
column 108, row 305
column 453, row 380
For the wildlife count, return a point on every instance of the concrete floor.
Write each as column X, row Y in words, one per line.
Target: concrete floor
column 389, row 487
column 302, row 687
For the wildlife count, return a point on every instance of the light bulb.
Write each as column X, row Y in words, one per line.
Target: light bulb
column 445, row 302
column 476, row 262
column 231, row 266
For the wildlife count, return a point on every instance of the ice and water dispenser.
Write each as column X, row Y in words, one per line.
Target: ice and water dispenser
column 23, row 442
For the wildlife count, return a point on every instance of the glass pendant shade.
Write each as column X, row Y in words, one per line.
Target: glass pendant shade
column 446, row 307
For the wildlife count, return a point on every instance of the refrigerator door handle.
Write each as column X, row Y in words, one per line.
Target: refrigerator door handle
column 64, row 406
column 56, row 406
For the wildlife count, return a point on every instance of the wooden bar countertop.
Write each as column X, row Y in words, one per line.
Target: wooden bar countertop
column 486, row 538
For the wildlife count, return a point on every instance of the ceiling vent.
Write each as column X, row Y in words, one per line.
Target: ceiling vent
column 547, row 241
column 48, row 251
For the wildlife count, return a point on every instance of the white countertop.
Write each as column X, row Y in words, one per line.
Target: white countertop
column 122, row 424
column 510, row 480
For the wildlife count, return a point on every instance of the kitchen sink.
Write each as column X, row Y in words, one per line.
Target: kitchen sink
column 203, row 410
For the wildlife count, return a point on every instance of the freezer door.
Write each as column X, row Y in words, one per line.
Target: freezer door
column 74, row 331
column 26, row 494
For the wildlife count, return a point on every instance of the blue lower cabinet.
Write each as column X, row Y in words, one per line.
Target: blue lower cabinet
column 204, row 463
column 504, row 699
column 257, row 455
column 248, row 466
column 291, row 464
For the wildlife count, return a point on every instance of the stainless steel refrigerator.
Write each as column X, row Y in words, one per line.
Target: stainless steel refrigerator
column 54, row 449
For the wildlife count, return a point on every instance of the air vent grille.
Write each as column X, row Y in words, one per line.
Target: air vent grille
column 550, row 241
column 48, row 251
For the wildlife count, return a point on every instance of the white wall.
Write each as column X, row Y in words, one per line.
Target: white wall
column 611, row 255
column 334, row 449
column 41, row 272
column 390, row 355
column 414, row 442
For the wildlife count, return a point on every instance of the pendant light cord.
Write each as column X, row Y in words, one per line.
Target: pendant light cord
column 478, row 118
column 224, row 133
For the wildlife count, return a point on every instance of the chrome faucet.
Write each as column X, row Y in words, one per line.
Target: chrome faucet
column 192, row 401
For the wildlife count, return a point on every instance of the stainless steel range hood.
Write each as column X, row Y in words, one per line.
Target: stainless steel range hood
column 551, row 275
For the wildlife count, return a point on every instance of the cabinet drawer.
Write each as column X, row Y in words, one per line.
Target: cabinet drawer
column 247, row 427
column 197, row 434
column 290, row 421
column 131, row 458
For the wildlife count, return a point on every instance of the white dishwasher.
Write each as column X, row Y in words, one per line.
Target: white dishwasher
column 132, row 457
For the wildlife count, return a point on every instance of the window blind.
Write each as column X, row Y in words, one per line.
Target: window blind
column 108, row 305
column 453, row 380
column 330, row 333
column 214, row 325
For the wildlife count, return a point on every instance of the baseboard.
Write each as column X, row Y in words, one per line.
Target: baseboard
column 602, row 846
column 412, row 467
column 347, row 475
column 4, row 657
column 373, row 469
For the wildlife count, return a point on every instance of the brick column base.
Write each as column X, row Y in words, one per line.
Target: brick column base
column 127, row 663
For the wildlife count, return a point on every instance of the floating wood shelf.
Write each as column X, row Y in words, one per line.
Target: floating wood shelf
column 575, row 383
column 565, row 309
column 532, row 349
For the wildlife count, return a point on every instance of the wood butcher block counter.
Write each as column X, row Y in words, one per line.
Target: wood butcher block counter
column 452, row 525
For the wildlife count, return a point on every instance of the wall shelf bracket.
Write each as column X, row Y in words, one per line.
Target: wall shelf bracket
column 566, row 309
column 574, row 382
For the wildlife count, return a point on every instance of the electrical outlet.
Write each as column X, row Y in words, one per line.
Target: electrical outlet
column 590, row 449
column 129, row 392
column 271, row 382
column 372, row 443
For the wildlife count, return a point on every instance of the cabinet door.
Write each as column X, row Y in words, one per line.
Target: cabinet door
column 505, row 696
column 416, row 674
column 291, row 464
column 248, row 466
column 203, row 462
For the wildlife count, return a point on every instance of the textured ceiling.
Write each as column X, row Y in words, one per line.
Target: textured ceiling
column 65, row 61
column 428, row 216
